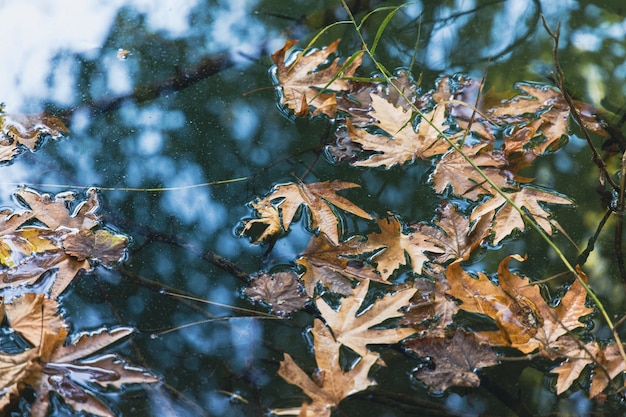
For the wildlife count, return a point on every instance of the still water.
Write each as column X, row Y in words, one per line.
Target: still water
column 91, row 61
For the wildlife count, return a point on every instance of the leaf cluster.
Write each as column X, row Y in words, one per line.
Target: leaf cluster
column 43, row 247
column 477, row 149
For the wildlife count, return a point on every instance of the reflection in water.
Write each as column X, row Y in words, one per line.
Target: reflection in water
column 211, row 131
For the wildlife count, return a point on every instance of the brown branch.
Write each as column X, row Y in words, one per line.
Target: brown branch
column 560, row 80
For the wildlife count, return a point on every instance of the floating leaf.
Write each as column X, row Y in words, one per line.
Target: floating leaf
column 335, row 384
column 355, row 330
column 319, row 197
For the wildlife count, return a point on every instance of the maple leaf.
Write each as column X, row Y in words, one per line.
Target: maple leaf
column 100, row 245
column 507, row 219
column 19, row 131
column 65, row 369
column 515, row 313
column 304, row 84
column 393, row 246
column 453, row 169
column 335, row 384
column 559, row 320
column 430, row 308
column 335, row 266
column 456, row 360
column 454, row 234
column 355, row 331
column 281, row 290
column 525, row 321
column 578, row 357
column 403, row 144
column 321, row 198
column 50, row 235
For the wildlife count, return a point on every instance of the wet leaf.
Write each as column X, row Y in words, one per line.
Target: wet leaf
column 335, row 385
column 507, row 219
column 393, row 246
column 25, row 131
column 335, row 266
column 304, row 84
column 454, row 170
column 54, row 234
column 281, row 290
column 402, row 144
column 68, row 369
column 455, row 360
column 455, row 234
column 355, row 331
column 100, row 245
column 321, row 198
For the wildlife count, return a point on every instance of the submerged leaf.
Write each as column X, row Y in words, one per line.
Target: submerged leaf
column 281, row 290
column 455, row 359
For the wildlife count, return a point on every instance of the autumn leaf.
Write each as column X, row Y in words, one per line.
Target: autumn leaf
column 335, row 266
column 430, row 309
column 393, row 246
column 454, row 170
column 524, row 319
column 321, row 198
column 67, row 369
column 557, row 321
column 454, row 233
column 100, row 245
column 507, row 218
column 54, row 233
column 354, row 331
column 335, row 384
column 402, row 144
column 281, row 290
column 515, row 314
column 304, row 85
column 455, row 360
column 25, row 131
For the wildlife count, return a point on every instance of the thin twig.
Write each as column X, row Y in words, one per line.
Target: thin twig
column 560, row 80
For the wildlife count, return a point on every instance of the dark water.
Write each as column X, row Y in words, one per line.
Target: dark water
column 63, row 56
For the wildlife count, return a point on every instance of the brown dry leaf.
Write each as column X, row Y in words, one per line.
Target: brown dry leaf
column 393, row 246
column 455, row 359
column 281, row 290
column 336, row 267
column 454, row 233
column 507, row 219
column 559, row 320
column 515, row 314
column 100, row 245
column 430, row 308
column 612, row 361
column 355, row 331
column 453, row 169
column 301, row 81
column 525, row 321
column 403, row 144
column 335, row 384
column 321, row 198
column 19, row 131
column 578, row 357
column 65, row 369
column 542, row 110
column 33, row 241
